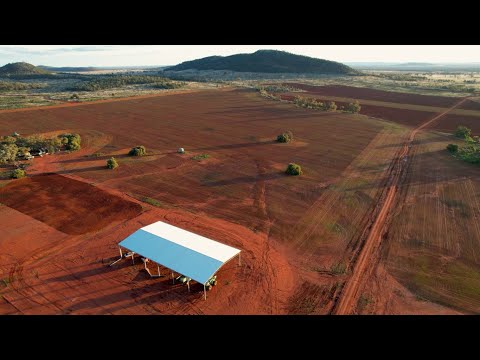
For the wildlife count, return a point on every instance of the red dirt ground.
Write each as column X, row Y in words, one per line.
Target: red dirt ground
column 368, row 256
column 237, row 196
column 450, row 122
column 470, row 105
column 68, row 205
column 402, row 116
column 49, row 272
column 372, row 94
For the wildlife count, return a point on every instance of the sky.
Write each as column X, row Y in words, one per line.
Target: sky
column 143, row 55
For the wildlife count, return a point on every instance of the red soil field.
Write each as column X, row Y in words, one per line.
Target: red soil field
column 471, row 105
column 236, row 128
column 380, row 95
column 294, row 232
column 402, row 116
column 450, row 122
column 68, row 205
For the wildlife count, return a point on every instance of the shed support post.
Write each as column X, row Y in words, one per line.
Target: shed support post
column 133, row 258
column 121, row 257
column 173, row 278
column 239, row 259
column 158, row 268
column 188, row 285
column 205, row 291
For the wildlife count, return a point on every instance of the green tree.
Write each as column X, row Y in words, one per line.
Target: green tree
column 285, row 137
column 17, row 174
column 462, row 132
column 331, row 106
column 453, row 148
column 8, row 153
column 293, row 169
column 137, row 151
column 112, row 163
column 353, row 107
column 71, row 141
column 8, row 140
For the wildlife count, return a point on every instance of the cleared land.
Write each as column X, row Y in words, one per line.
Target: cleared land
column 380, row 95
column 450, row 122
column 300, row 236
column 432, row 246
column 65, row 204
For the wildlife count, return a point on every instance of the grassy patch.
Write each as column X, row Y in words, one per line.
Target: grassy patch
column 97, row 154
column 457, row 204
column 200, row 157
column 334, row 228
column 155, row 202
column 5, row 282
column 338, row 268
column 451, row 283
column 363, row 302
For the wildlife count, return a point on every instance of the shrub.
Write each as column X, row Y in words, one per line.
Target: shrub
column 8, row 139
column 286, row 137
column 112, row 163
column 17, row 174
column 453, row 148
column 462, row 132
column 71, row 141
column 8, row 152
column 354, row 107
column 74, row 145
column 200, row 157
column 470, row 153
column 137, row 151
column 293, row 169
column 331, row 106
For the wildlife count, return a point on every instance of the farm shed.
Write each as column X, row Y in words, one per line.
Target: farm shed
column 182, row 251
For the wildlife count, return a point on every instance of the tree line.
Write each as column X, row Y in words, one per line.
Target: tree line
column 8, row 86
column 115, row 81
column 470, row 151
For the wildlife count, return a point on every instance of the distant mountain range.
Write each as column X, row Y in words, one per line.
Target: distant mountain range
column 415, row 66
column 266, row 61
column 21, row 68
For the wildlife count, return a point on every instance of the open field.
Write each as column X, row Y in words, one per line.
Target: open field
column 300, row 236
column 372, row 94
column 432, row 246
column 450, row 122
column 67, row 205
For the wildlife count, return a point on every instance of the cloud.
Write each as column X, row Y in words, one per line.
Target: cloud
column 45, row 50
column 82, row 49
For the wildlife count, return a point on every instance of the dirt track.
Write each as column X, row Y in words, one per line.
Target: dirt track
column 347, row 300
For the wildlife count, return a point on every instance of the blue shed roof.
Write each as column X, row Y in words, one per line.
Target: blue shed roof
column 182, row 251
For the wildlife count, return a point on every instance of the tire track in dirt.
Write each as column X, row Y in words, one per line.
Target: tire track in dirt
column 346, row 302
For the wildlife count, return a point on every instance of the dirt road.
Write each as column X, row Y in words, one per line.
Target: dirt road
column 347, row 300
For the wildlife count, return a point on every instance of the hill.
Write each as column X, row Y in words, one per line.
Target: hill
column 21, row 68
column 266, row 61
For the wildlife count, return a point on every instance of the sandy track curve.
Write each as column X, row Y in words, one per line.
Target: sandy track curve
column 346, row 301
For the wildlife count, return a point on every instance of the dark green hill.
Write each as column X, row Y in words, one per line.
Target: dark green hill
column 21, row 68
column 266, row 61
